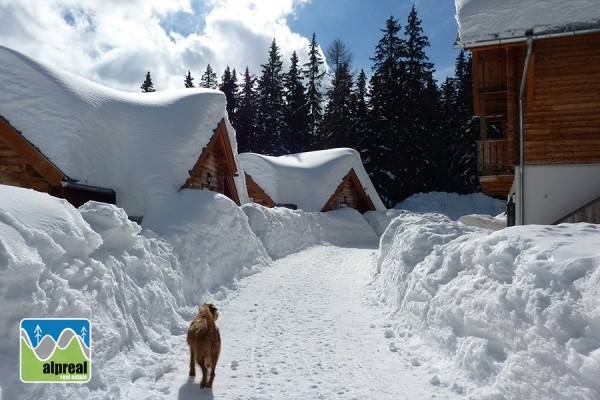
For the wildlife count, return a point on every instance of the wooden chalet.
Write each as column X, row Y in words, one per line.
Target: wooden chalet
column 537, row 98
column 322, row 181
column 215, row 169
column 23, row 165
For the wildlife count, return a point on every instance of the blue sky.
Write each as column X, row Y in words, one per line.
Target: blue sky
column 358, row 23
column 115, row 43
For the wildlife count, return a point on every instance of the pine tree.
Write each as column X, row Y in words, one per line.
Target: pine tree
column 270, row 104
column 461, row 128
column 244, row 119
column 147, row 86
column 228, row 86
column 360, row 113
column 209, row 78
column 295, row 117
column 314, row 76
column 189, row 81
column 421, row 98
column 387, row 145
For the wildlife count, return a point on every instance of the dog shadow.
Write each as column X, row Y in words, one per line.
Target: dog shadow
column 190, row 390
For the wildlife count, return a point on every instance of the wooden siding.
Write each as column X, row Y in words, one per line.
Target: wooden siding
column 351, row 194
column 257, row 194
column 22, row 165
column 588, row 213
column 217, row 162
column 561, row 104
column 496, row 185
column 562, row 117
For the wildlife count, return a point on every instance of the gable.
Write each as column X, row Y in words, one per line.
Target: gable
column 21, row 164
column 350, row 194
column 216, row 168
column 257, row 194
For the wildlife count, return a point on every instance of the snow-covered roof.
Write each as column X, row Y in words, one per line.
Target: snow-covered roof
column 481, row 21
column 142, row 145
column 308, row 179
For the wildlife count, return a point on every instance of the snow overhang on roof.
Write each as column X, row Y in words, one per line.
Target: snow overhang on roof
column 142, row 145
column 309, row 179
column 488, row 22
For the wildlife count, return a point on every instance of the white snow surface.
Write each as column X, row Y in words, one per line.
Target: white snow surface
column 432, row 309
column 484, row 20
column 139, row 144
column 307, row 180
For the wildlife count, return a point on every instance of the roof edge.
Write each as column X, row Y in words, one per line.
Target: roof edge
column 523, row 38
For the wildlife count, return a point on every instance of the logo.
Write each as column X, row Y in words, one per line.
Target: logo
column 55, row 350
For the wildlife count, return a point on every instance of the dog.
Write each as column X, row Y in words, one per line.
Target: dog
column 204, row 340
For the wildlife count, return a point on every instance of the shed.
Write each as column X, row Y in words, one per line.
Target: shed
column 71, row 137
column 536, row 79
column 312, row 181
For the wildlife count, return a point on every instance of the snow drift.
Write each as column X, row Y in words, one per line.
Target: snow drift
column 284, row 231
column 516, row 309
column 92, row 262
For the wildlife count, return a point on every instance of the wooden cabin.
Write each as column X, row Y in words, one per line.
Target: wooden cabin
column 216, row 169
column 23, row 165
column 317, row 181
column 538, row 92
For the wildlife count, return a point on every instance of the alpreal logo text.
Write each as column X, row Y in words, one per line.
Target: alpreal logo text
column 55, row 350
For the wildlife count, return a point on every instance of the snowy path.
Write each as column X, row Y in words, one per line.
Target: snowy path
column 305, row 328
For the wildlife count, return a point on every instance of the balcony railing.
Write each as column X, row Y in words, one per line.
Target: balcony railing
column 492, row 157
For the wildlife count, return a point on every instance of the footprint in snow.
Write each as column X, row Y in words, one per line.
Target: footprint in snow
column 393, row 347
column 234, row 364
column 389, row 333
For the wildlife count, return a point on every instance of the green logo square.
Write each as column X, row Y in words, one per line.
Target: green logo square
column 56, row 350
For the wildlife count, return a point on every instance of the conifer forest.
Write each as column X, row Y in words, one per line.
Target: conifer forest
column 414, row 134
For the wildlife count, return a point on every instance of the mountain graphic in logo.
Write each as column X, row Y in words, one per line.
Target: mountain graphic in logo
column 55, row 350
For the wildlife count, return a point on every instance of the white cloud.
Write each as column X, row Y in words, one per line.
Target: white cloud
column 115, row 42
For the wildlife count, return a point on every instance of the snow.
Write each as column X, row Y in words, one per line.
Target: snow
column 432, row 308
column 485, row 20
column 308, row 179
column 139, row 144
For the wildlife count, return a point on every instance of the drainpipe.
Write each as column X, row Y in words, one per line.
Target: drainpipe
column 520, row 199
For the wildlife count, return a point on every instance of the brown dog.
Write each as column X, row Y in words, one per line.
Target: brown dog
column 204, row 340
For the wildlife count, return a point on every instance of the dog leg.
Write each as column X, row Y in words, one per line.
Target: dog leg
column 204, row 374
column 192, row 363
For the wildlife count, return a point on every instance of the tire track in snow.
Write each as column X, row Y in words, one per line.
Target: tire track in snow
column 304, row 328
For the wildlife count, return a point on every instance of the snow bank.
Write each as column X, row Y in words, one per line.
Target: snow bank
column 137, row 289
column 453, row 205
column 284, row 231
column 474, row 209
column 211, row 237
column 517, row 310
column 53, row 264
